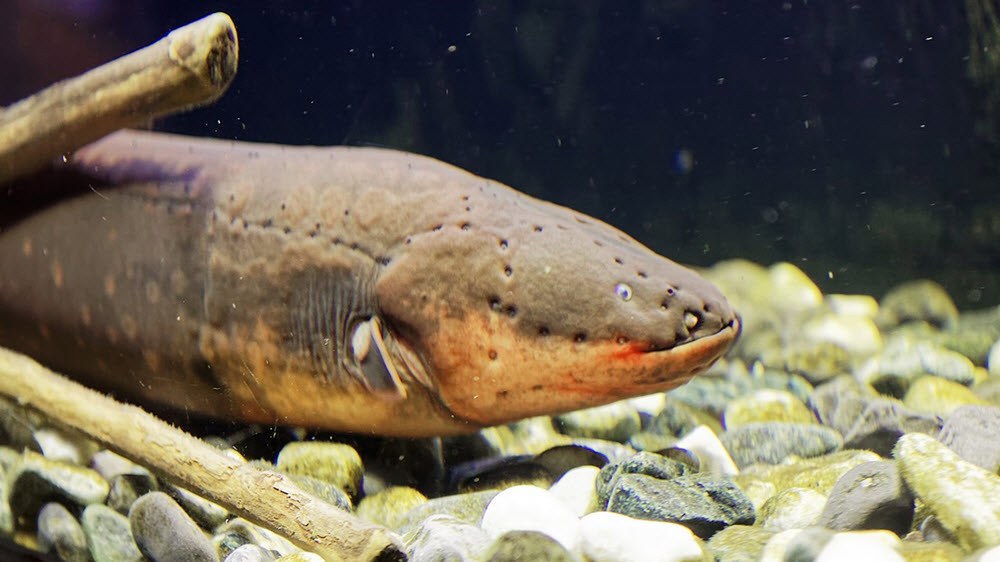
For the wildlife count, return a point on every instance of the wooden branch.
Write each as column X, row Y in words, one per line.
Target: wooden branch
column 191, row 66
column 263, row 497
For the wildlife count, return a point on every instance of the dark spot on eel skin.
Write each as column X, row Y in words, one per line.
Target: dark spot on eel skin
column 503, row 244
column 512, row 311
column 493, row 355
column 437, row 228
column 495, row 304
column 538, row 387
column 580, row 337
column 538, row 228
column 466, row 226
column 502, row 394
column 543, row 331
column 508, row 271
column 619, row 261
column 641, row 274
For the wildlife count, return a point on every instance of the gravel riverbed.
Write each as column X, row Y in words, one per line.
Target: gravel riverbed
column 839, row 427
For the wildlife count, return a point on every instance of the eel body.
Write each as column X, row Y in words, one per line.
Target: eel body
column 354, row 289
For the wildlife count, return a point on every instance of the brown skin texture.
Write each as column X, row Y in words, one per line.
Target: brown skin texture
column 228, row 278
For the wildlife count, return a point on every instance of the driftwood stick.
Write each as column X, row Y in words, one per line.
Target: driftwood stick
column 264, row 497
column 191, row 66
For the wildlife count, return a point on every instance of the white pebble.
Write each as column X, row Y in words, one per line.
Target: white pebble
column 713, row 456
column 530, row 508
column 613, row 537
column 577, row 489
column 862, row 546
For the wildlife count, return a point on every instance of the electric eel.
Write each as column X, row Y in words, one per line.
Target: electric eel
column 354, row 289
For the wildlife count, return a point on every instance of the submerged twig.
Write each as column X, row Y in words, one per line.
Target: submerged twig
column 264, row 497
column 191, row 66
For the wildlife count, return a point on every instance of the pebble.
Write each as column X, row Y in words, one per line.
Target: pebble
column 963, row 433
column 109, row 535
column 818, row 473
column 792, row 508
column 871, row 495
column 882, row 421
column 207, row 514
column 613, row 422
column 774, row 442
column 701, row 502
column 516, row 546
column 335, row 463
column 856, row 335
column 612, row 537
column 301, row 557
column 467, row 507
column 250, row 553
column 238, row 532
column 577, row 489
column 948, row 486
column 796, row 544
column 861, row 546
column 165, row 533
column 6, row 517
column 34, row 481
column 126, row 488
column 792, row 291
column 442, row 537
column 385, row 507
column 711, row 454
column 60, row 533
column 528, row 508
column 852, row 305
column 939, row 397
column 920, row 300
column 766, row 406
column 644, row 462
column 903, row 361
column 64, row 446
column 739, row 543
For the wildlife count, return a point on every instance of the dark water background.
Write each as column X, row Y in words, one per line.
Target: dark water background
column 846, row 137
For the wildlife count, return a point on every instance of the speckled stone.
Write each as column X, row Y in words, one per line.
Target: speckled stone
column 614, row 422
column 466, row 507
column 818, row 473
column 773, row 442
column 323, row 490
column 6, row 517
column 792, row 508
column 838, row 401
column 385, row 507
column 528, row 508
column 766, row 406
column 869, row 496
column 335, row 463
column 612, row 537
column 963, row 433
column 442, row 537
column 60, row 533
column 35, row 481
column 701, row 502
column 250, row 553
column 816, row 362
column 739, row 543
column 165, row 533
column 937, row 396
column 919, row 300
column 649, row 464
column 516, row 546
column 109, row 535
column 936, row 551
column 64, row 446
column 952, row 489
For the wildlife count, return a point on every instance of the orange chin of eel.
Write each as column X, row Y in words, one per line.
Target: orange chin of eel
column 487, row 374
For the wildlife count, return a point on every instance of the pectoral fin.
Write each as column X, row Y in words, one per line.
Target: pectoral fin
column 373, row 360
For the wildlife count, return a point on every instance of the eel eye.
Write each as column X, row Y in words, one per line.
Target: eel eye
column 623, row 291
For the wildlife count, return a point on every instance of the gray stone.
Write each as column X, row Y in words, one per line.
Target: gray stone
column 442, row 537
column 560, row 459
column 806, row 545
column 60, row 533
column 250, row 553
column 35, row 481
column 614, row 422
column 971, row 432
column 109, row 535
column 239, row 532
column 843, row 393
column 164, row 532
column 385, row 507
column 791, row 508
column 516, row 546
column 904, row 360
column 323, row 490
column 701, row 502
column 6, row 517
column 869, row 496
column 772, row 443
column 882, row 422
column 126, row 488
column 207, row 514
